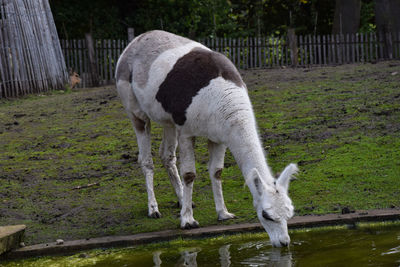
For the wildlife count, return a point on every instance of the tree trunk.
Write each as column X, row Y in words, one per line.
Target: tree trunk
column 387, row 15
column 293, row 47
column 387, row 23
column 92, row 59
column 347, row 17
column 131, row 34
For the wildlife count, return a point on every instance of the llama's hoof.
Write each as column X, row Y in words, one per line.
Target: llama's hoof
column 223, row 216
column 155, row 215
column 192, row 225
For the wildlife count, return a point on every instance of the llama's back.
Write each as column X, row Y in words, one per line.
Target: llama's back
column 176, row 79
column 135, row 61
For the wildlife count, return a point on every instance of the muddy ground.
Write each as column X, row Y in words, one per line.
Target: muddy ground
column 68, row 160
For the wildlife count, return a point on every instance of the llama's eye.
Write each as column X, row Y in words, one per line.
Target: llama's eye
column 266, row 216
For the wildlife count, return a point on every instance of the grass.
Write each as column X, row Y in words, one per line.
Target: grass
column 340, row 124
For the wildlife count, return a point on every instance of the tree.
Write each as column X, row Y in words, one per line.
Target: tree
column 347, row 17
column 74, row 18
column 208, row 18
column 387, row 15
column 387, row 23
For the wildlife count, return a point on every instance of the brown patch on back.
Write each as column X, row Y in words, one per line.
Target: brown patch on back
column 218, row 174
column 226, row 69
column 136, row 61
column 190, row 74
column 189, row 177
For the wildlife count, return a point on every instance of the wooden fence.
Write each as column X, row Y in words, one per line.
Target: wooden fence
column 107, row 52
column 247, row 53
column 31, row 59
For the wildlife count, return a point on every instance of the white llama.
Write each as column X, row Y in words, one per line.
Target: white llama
column 193, row 91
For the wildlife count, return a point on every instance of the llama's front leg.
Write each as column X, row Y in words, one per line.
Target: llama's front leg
column 215, row 166
column 188, row 173
column 168, row 157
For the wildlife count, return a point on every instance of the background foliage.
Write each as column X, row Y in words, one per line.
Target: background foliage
column 199, row 18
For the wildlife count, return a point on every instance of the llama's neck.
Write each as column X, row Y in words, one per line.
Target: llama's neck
column 246, row 147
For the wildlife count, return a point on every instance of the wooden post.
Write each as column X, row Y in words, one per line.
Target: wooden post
column 251, row 55
column 92, row 59
column 370, row 47
column 268, row 48
column 302, row 49
column 381, row 44
column 319, row 49
column 131, row 34
column 311, row 61
column 362, row 59
column 347, row 48
column 324, row 49
column 388, row 45
column 357, row 48
column 239, row 51
column 259, row 52
column 339, row 48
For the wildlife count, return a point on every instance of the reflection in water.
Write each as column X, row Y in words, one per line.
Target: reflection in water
column 280, row 259
column 188, row 258
column 271, row 257
column 156, row 258
column 225, row 256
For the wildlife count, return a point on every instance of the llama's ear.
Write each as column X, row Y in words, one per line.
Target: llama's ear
column 287, row 174
column 256, row 180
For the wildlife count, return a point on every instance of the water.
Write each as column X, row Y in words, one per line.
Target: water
column 363, row 245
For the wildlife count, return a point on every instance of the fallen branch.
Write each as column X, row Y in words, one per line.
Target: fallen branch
column 85, row 186
column 90, row 185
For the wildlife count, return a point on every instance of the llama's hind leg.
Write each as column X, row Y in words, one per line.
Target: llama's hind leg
column 142, row 126
column 188, row 174
column 146, row 163
column 168, row 157
column 215, row 166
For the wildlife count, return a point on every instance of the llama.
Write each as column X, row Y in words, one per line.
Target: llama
column 193, row 91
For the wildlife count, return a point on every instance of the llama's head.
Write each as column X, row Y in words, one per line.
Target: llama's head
column 273, row 205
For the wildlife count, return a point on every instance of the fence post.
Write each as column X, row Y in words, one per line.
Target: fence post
column 131, row 34
column 293, row 47
column 388, row 44
column 92, row 59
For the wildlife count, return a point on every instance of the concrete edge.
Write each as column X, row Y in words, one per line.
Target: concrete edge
column 10, row 237
column 70, row 247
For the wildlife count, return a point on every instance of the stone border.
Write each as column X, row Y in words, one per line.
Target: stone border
column 70, row 247
column 10, row 237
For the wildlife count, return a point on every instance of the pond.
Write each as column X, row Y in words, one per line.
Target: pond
column 359, row 245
